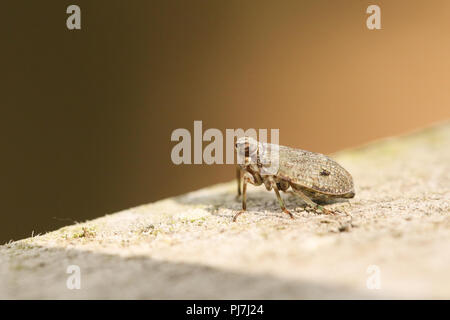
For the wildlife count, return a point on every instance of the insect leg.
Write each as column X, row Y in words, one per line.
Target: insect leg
column 238, row 177
column 247, row 179
column 310, row 202
column 244, row 200
column 280, row 201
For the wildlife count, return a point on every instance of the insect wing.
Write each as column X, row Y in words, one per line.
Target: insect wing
column 314, row 171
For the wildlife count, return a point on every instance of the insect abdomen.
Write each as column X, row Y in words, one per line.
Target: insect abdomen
column 314, row 171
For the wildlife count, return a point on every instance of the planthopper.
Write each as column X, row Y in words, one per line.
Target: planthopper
column 311, row 176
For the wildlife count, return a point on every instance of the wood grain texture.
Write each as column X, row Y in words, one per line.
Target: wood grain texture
column 187, row 246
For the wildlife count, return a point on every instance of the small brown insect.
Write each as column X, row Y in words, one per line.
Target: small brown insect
column 311, row 176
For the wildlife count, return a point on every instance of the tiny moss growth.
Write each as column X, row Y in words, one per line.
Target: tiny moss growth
column 85, row 232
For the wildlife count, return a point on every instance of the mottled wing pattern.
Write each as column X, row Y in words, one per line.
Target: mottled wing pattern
column 314, row 171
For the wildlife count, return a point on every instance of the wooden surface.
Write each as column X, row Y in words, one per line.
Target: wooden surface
column 397, row 230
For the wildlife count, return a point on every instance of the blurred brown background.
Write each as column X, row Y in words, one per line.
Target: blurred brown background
column 87, row 115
